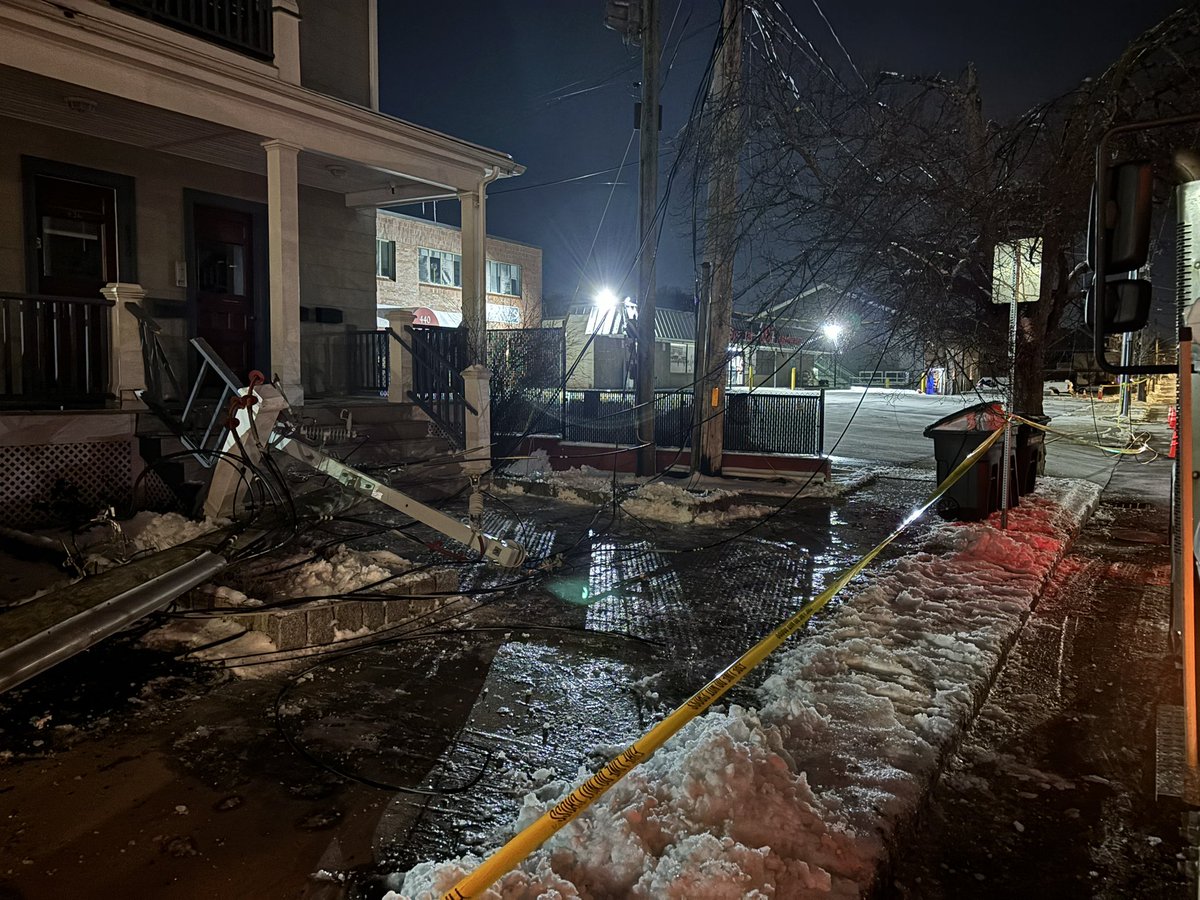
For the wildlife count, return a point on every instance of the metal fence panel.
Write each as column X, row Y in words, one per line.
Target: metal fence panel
column 776, row 423
column 792, row 423
column 528, row 368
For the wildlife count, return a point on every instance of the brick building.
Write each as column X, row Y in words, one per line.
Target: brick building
column 419, row 267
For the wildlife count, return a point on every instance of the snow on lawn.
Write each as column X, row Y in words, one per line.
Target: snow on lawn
column 802, row 796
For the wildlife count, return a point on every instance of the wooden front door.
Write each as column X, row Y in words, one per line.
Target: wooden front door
column 76, row 237
column 224, row 255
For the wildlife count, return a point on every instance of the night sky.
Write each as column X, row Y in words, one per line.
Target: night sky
column 546, row 82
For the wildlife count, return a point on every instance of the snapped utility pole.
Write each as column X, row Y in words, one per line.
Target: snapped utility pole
column 724, row 99
column 647, row 204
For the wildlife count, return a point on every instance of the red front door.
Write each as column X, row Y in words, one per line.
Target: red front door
column 224, row 254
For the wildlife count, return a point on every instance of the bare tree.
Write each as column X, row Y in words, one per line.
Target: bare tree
column 897, row 189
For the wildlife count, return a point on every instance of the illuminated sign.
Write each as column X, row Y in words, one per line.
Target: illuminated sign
column 1017, row 271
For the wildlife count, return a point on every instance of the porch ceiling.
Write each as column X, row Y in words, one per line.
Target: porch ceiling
column 44, row 101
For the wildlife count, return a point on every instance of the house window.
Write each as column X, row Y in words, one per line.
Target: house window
column 385, row 259
column 503, row 278
column 440, row 267
column 682, row 358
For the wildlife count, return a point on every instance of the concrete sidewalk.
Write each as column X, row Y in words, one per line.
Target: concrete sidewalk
column 1053, row 789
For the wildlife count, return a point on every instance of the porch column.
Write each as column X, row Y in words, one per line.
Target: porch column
column 400, row 376
column 285, row 27
column 477, row 455
column 126, row 372
column 474, row 272
column 476, row 378
column 283, row 226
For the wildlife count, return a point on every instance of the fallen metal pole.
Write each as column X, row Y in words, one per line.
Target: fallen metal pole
column 43, row 646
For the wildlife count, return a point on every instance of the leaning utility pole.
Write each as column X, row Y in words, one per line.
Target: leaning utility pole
column 647, row 454
column 724, row 97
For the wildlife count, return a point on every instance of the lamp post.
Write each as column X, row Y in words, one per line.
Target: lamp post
column 833, row 331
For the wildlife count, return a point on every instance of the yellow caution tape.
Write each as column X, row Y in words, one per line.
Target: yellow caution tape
column 533, row 836
column 1140, row 448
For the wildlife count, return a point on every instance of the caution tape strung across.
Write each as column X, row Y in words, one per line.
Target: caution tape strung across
column 1133, row 450
column 534, row 835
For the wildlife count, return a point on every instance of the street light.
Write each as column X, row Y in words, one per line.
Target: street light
column 607, row 300
column 833, row 331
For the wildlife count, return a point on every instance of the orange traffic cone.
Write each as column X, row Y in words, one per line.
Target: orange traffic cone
column 1174, row 445
column 1173, row 422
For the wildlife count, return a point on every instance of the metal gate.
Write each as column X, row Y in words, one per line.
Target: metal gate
column 528, row 367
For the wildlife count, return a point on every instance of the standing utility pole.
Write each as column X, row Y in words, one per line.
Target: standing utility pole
column 724, row 98
column 699, row 364
column 647, row 204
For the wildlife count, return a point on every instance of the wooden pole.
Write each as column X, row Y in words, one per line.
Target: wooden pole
column 722, row 207
column 648, row 204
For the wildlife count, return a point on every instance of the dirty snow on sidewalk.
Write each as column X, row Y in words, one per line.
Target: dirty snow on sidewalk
column 802, row 796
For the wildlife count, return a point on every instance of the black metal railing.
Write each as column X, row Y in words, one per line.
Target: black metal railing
column 54, row 351
column 610, row 417
column 791, row 423
column 438, row 358
column 527, row 368
column 369, row 362
column 241, row 25
column 161, row 384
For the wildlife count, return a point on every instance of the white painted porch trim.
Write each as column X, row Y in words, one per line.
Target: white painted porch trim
column 98, row 48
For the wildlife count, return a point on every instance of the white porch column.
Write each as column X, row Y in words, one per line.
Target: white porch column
column 477, row 391
column 400, row 376
column 474, row 272
column 283, row 226
column 285, row 25
column 126, row 372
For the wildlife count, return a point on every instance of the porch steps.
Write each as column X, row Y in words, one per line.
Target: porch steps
column 388, row 434
column 385, row 434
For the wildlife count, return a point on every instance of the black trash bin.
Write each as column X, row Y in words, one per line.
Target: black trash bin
column 1030, row 453
column 977, row 494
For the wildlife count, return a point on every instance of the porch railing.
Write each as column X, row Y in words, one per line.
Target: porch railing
column 161, row 384
column 54, row 351
column 369, row 362
column 241, row 25
column 438, row 359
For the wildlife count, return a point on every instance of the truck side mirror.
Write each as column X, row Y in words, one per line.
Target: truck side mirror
column 1127, row 218
column 1126, row 222
column 1126, row 306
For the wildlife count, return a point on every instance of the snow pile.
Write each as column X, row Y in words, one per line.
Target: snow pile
column 801, row 797
column 658, row 500
column 213, row 640
column 344, row 571
column 161, row 531
column 298, row 576
column 148, row 532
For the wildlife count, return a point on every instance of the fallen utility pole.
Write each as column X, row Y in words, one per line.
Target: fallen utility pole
column 724, row 97
column 507, row 554
column 54, row 627
column 647, row 455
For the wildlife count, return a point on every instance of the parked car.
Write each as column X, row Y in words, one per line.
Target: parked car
column 1058, row 386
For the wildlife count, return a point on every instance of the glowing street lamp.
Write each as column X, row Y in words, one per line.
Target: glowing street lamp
column 607, row 300
column 833, row 331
